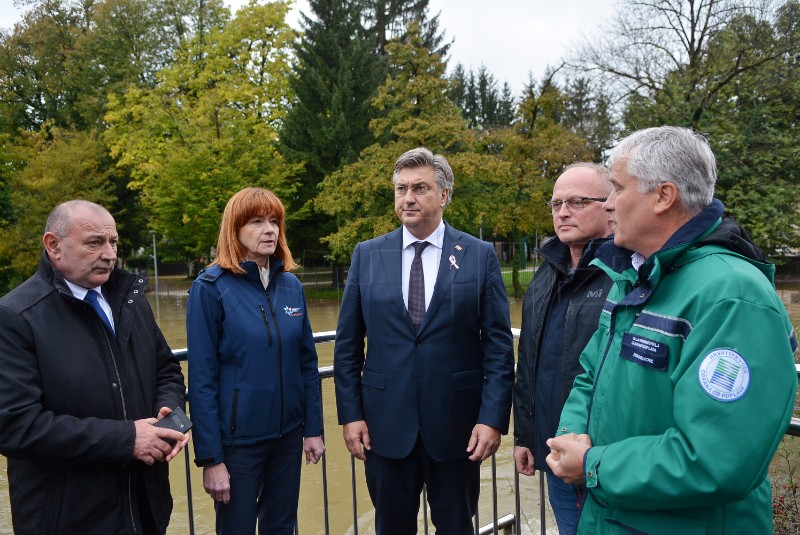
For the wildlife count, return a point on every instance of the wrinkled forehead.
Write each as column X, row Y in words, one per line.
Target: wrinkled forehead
column 86, row 221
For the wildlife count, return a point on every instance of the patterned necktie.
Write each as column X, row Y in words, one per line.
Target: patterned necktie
column 91, row 298
column 416, row 286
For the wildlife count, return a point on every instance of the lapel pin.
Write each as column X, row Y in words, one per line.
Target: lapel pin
column 458, row 247
column 453, row 262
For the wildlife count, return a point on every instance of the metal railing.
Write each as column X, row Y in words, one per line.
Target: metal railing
column 506, row 525
column 510, row 523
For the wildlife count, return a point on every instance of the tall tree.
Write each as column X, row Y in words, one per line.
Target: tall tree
column 665, row 49
column 415, row 111
column 752, row 127
column 588, row 113
column 482, row 104
column 535, row 151
column 338, row 72
column 47, row 168
column 390, row 19
column 209, row 127
column 62, row 60
column 734, row 77
column 33, row 68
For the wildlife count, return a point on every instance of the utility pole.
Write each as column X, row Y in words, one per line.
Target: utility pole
column 155, row 274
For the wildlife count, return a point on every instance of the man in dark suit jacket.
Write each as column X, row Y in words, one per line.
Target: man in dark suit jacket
column 432, row 396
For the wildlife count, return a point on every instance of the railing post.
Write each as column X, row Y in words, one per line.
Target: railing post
column 353, row 485
column 541, row 501
column 425, row 507
column 494, row 493
column 324, row 465
column 189, row 506
column 517, row 506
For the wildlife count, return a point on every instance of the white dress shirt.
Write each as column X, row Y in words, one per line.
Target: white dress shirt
column 431, row 256
column 80, row 292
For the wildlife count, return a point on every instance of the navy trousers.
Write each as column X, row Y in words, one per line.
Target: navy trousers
column 395, row 486
column 265, row 484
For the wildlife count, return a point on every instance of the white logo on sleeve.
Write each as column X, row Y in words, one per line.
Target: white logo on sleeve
column 724, row 375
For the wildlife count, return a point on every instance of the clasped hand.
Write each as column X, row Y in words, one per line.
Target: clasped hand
column 566, row 457
column 150, row 444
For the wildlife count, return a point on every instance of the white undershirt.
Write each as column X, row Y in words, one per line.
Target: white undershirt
column 431, row 256
column 638, row 260
column 263, row 273
column 80, row 292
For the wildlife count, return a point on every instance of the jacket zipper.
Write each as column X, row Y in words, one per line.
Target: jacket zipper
column 534, row 369
column 266, row 323
column 121, row 397
column 280, row 354
column 124, row 415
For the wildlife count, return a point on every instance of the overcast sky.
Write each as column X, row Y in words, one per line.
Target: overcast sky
column 511, row 37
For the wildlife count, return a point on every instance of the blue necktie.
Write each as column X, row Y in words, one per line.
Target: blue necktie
column 91, row 298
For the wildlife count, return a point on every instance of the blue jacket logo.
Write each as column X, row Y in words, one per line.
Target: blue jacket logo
column 595, row 294
column 290, row 311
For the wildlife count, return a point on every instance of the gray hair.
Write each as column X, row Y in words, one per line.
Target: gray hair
column 602, row 171
column 422, row 157
column 59, row 219
column 670, row 154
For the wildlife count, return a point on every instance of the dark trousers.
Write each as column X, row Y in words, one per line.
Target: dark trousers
column 265, row 484
column 395, row 486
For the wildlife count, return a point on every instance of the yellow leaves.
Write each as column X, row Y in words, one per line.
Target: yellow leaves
column 60, row 165
column 209, row 126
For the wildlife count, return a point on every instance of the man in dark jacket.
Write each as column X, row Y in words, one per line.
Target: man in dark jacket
column 83, row 381
column 559, row 315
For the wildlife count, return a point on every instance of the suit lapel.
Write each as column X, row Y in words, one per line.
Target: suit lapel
column 391, row 255
column 453, row 250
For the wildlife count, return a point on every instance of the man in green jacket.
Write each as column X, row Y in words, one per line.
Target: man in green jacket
column 690, row 378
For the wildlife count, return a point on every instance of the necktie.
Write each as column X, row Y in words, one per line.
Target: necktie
column 91, row 298
column 416, row 286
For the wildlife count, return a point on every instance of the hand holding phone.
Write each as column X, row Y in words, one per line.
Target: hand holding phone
column 175, row 420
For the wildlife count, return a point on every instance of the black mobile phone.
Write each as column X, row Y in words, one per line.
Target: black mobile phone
column 176, row 420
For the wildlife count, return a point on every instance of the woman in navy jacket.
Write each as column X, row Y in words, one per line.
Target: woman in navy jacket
column 253, row 375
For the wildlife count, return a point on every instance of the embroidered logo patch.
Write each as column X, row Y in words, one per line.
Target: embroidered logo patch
column 641, row 350
column 292, row 311
column 724, row 375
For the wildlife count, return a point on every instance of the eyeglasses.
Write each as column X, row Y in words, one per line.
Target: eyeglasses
column 575, row 204
column 419, row 190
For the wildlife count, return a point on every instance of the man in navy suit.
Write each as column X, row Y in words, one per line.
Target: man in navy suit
column 432, row 396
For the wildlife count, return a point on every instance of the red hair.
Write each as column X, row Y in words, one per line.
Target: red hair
column 247, row 203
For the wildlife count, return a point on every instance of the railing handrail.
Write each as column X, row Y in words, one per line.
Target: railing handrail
column 508, row 522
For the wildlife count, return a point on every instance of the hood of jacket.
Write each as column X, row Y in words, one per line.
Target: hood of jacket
column 557, row 254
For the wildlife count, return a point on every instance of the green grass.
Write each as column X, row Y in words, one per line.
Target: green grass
column 525, row 278
column 323, row 294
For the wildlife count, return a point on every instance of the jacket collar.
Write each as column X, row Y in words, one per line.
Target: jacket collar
column 618, row 258
column 276, row 266
column 557, row 253
column 649, row 275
